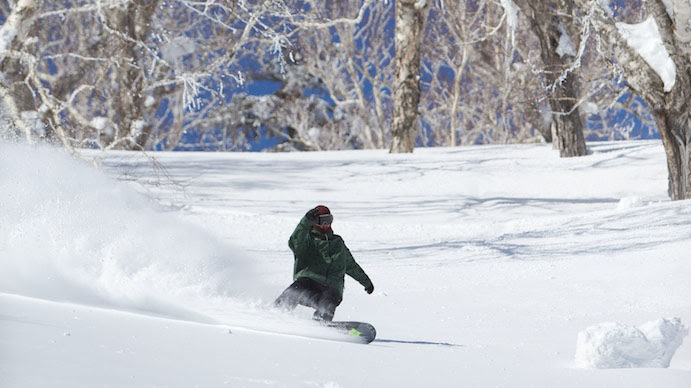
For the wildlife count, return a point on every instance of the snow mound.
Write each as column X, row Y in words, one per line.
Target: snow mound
column 630, row 203
column 614, row 345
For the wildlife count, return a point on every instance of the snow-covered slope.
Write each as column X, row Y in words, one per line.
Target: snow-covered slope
column 487, row 261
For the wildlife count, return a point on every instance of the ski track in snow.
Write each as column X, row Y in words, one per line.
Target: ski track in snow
column 487, row 262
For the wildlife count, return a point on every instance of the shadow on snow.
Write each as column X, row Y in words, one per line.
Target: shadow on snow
column 390, row 341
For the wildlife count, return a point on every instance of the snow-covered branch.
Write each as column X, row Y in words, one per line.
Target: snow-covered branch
column 583, row 41
column 310, row 24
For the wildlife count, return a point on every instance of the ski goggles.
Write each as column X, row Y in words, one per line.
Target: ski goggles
column 325, row 219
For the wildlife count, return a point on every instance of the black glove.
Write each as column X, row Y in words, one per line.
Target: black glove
column 313, row 215
column 370, row 289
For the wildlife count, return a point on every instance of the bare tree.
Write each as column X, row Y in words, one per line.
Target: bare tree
column 128, row 74
column 668, row 100
column 553, row 22
column 174, row 74
column 344, row 50
column 410, row 23
column 89, row 66
column 14, row 32
column 330, row 70
column 125, row 29
column 481, row 88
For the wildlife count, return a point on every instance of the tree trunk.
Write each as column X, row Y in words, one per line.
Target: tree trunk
column 546, row 19
column 567, row 119
column 671, row 109
column 132, row 23
column 458, row 79
column 674, row 127
column 673, row 117
column 410, row 23
column 141, row 15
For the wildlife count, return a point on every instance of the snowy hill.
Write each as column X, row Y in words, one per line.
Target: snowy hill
column 487, row 263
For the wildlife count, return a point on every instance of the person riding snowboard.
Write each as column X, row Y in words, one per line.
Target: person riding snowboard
column 321, row 262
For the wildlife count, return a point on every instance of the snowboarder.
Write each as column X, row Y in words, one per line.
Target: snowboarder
column 321, row 262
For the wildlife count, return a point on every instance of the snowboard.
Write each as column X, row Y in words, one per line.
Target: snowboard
column 361, row 332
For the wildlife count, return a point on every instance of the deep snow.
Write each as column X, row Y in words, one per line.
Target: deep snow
column 487, row 261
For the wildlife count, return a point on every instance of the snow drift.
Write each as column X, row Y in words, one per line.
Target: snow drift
column 614, row 345
column 68, row 233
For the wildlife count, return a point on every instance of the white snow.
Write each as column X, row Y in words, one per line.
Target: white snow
column 137, row 127
column 149, row 101
column 314, row 133
column 487, row 262
column 631, row 202
column 566, row 46
column 511, row 14
column 669, row 7
column 99, row 122
column 70, row 233
column 7, row 35
column 33, row 120
column 615, row 345
column 645, row 39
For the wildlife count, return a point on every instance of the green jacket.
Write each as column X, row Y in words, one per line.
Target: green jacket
column 323, row 257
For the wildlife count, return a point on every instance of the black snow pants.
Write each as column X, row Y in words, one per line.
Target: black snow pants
column 310, row 293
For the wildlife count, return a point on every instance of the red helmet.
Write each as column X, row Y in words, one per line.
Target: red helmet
column 325, row 217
